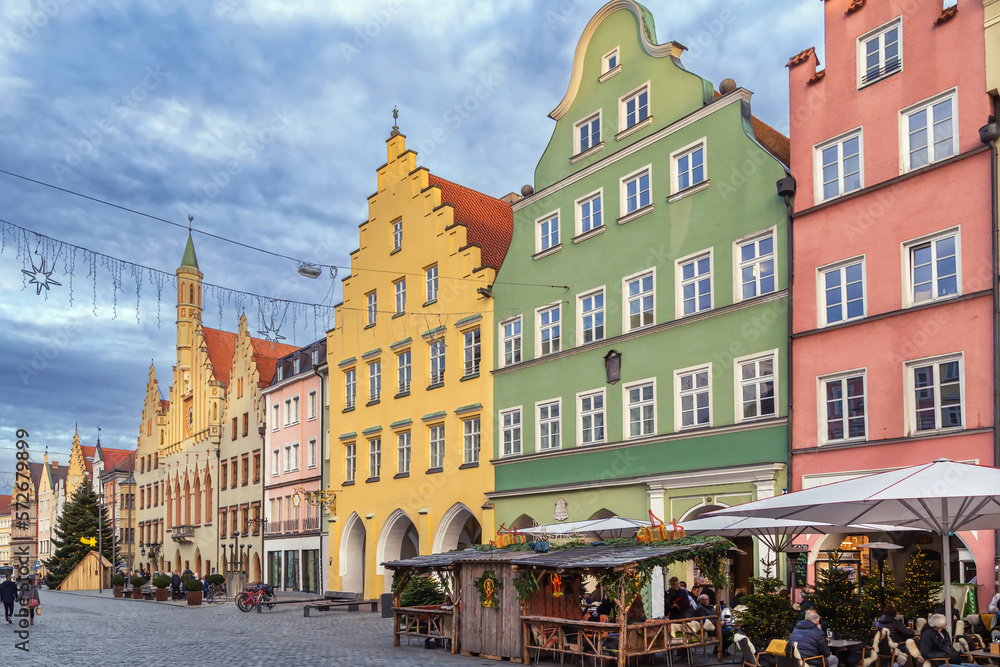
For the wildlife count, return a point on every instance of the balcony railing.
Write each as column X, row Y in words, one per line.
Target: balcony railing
column 272, row 528
column 182, row 534
column 310, row 523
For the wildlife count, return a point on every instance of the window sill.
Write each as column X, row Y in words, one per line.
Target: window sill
column 590, row 233
column 637, row 213
column 583, row 155
column 371, row 479
column 681, row 194
column 369, row 326
column 925, row 302
column 750, row 420
column 466, row 466
column 427, row 303
column 398, row 315
column 349, row 482
column 401, row 475
column 431, row 471
column 610, row 73
column 881, row 78
column 402, row 394
column 933, row 431
column 346, row 410
column 469, row 377
column 434, row 385
column 371, row 403
column 394, row 251
column 645, row 122
column 512, row 455
column 548, row 251
column 758, row 296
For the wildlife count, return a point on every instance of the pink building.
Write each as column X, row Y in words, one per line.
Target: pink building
column 893, row 326
column 294, row 543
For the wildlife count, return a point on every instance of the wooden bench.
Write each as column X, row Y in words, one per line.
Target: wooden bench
column 339, row 600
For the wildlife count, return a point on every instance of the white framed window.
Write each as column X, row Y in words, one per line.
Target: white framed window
column 587, row 133
column 374, row 457
column 510, row 335
column 315, row 357
column 549, row 338
column 611, row 60
column 933, row 267
column 471, row 352
column 688, row 167
column 590, row 326
column 756, row 387
column 838, row 166
column 374, row 381
column 313, row 454
column 275, row 462
column 470, row 440
column 436, row 446
column 436, row 350
column 296, row 413
column 842, row 291
column 403, row 453
column 880, row 52
column 693, row 396
column 510, row 432
column 403, row 372
column 549, row 429
column 634, row 107
column 296, row 365
column 694, row 284
column 397, row 235
column 400, row 292
column 640, row 408
column 431, row 282
column 935, row 393
column 928, row 131
column 372, row 307
column 756, row 266
column 591, row 424
column 589, row 212
column 639, row 296
column 635, row 191
column 842, row 407
column 350, row 388
column 275, row 417
column 547, row 232
column 350, row 461
column 312, row 405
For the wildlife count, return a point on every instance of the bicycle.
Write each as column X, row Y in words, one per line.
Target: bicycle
column 216, row 593
column 249, row 599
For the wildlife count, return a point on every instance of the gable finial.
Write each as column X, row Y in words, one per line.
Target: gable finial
column 395, row 117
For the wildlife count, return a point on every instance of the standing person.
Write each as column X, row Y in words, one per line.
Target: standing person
column 30, row 599
column 812, row 640
column 677, row 603
column 8, row 595
column 175, row 585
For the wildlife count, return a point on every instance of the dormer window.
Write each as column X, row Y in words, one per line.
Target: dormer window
column 281, row 372
column 296, row 365
column 880, row 53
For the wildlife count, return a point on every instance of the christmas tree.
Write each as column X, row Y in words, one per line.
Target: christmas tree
column 874, row 598
column 79, row 519
column 919, row 592
column 834, row 597
column 767, row 615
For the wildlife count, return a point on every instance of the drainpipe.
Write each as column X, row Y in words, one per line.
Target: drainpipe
column 786, row 190
column 988, row 134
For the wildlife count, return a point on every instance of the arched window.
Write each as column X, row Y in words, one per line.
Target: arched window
column 197, row 502
column 191, row 294
column 208, row 494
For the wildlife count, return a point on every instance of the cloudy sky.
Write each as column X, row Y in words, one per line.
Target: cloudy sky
column 266, row 120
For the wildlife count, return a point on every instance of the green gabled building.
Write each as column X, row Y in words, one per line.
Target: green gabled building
column 655, row 216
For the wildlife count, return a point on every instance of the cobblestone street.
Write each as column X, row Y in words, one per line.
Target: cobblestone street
column 84, row 629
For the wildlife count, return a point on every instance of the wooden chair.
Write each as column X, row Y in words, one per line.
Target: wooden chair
column 545, row 639
column 746, row 649
column 920, row 660
column 883, row 641
column 792, row 657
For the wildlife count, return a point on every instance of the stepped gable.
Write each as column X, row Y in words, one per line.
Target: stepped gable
column 488, row 221
column 222, row 346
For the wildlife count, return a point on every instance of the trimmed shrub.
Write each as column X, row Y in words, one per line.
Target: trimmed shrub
column 138, row 581
column 162, row 581
column 118, row 580
column 193, row 585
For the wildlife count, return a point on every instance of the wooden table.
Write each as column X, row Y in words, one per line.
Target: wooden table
column 984, row 654
column 844, row 644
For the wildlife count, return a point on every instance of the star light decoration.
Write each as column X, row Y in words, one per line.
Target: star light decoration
column 270, row 333
column 40, row 278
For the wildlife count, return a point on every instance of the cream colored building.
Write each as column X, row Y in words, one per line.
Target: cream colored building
column 4, row 531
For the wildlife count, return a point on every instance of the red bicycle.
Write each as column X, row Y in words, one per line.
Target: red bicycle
column 250, row 598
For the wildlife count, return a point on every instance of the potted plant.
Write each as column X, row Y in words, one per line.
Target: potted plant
column 118, row 584
column 162, row 583
column 194, row 589
column 137, row 584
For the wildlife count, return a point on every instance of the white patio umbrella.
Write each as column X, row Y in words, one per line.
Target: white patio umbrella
column 941, row 496
column 613, row 527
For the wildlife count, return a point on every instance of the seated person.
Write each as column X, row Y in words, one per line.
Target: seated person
column 935, row 642
column 898, row 633
column 603, row 609
column 811, row 640
column 738, row 597
column 677, row 602
column 707, row 590
column 954, row 613
column 704, row 608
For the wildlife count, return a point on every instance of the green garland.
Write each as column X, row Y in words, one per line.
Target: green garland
column 489, row 600
column 526, row 585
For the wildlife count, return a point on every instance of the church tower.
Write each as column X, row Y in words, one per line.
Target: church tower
column 188, row 313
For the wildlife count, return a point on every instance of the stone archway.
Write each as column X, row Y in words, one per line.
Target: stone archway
column 353, row 541
column 398, row 540
column 177, row 560
column 459, row 528
column 197, row 561
column 522, row 522
column 255, row 569
column 603, row 513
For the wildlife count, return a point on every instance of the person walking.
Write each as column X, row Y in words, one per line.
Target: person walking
column 30, row 599
column 8, row 595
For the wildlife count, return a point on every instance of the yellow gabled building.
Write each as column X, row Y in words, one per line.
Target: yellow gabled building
column 410, row 386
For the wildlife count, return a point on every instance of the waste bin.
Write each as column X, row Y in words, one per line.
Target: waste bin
column 385, row 604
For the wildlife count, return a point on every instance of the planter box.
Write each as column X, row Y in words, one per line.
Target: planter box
column 194, row 598
column 137, row 592
column 161, row 594
column 119, row 591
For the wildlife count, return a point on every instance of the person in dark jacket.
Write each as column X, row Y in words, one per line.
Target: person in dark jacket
column 677, row 603
column 898, row 633
column 935, row 642
column 704, row 608
column 811, row 640
column 175, row 586
column 8, row 595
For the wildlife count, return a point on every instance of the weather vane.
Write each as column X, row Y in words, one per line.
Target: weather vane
column 395, row 116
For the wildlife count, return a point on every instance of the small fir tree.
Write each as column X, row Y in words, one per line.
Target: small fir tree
column 874, row 598
column 919, row 591
column 836, row 600
column 79, row 519
column 421, row 591
column 767, row 615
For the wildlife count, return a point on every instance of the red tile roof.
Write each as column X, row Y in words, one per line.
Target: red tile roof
column 266, row 354
column 88, row 458
column 222, row 346
column 116, row 457
column 488, row 221
column 771, row 139
column 4, row 504
column 800, row 57
column 855, row 5
column 946, row 15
